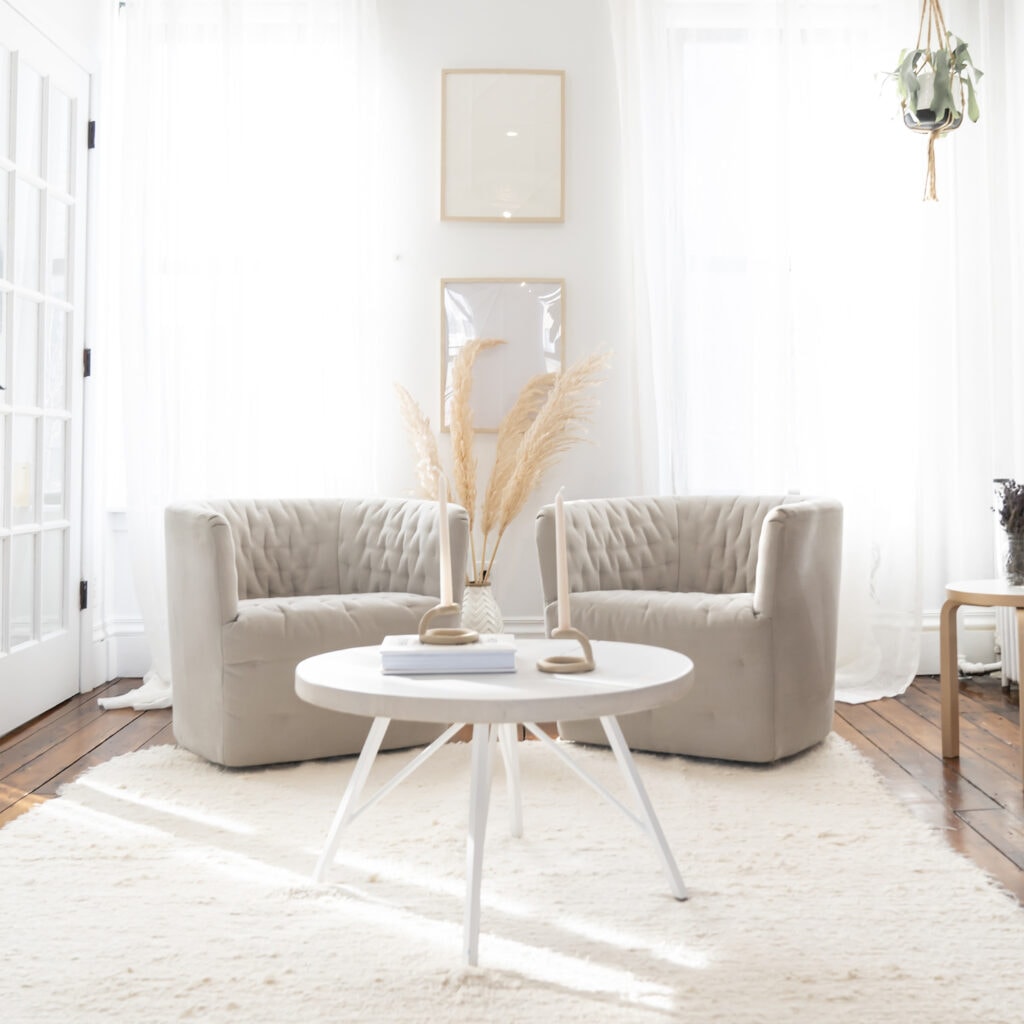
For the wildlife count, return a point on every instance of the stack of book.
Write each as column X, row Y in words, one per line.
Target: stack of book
column 408, row 655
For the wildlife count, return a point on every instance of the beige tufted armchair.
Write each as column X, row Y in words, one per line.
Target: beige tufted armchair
column 255, row 586
column 747, row 587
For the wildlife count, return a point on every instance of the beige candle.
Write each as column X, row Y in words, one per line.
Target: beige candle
column 446, row 541
column 561, row 563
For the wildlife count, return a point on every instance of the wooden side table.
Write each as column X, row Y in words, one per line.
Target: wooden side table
column 982, row 594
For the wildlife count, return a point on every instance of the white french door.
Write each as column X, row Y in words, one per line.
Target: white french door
column 43, row 138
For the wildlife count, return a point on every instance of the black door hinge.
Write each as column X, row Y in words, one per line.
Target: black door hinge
column 92, row 135
column 83, row 595
column 87, row 362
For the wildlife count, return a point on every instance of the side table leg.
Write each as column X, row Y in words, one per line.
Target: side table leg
column 1020, row 640
column 510, row 755
column 353, row 790
column 479, row 797
column 949, row 680
column 622, row 754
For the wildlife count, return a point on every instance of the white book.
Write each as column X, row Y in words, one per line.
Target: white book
column 407, row 654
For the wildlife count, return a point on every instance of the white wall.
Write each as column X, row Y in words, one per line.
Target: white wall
column 588, row 250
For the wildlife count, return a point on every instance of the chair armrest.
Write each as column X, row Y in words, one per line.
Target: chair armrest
column 798, row 561
column 202, row 577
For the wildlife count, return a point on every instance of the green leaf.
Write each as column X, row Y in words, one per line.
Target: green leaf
column 972, row 102
column 909, row 86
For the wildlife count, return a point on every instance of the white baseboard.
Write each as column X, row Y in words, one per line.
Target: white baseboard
column 525, row 627
column 976, row 638
column 127, row 652
column 123, row 652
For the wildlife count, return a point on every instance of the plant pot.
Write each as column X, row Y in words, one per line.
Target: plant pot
column 1014, row 565
column 480, row 610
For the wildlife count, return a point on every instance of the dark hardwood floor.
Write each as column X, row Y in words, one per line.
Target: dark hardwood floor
column 977, row 802
column 54, row 748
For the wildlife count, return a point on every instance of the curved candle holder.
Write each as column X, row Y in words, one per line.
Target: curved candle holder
column 569, row 662
column 444, row 634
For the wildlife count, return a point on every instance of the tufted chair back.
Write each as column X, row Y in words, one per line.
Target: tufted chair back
column 690, row 544
column 292, row 547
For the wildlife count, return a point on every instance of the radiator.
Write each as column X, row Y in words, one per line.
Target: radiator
column 1006, row 636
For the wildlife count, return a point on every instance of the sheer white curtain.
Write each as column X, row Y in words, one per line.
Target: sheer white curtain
column 239, row 206
column 806, row 322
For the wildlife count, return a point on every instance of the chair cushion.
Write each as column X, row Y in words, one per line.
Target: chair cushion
column 277, row 629
column 659, row 617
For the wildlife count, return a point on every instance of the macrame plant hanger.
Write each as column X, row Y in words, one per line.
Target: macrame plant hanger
column 932, row 83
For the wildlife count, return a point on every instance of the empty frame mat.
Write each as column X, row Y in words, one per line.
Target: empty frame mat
column 503, row 145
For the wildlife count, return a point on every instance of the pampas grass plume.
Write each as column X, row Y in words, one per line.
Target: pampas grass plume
column 545, row 421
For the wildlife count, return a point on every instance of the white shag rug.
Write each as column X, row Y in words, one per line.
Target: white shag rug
column 160, row 888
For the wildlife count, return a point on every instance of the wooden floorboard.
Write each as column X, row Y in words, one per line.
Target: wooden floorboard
column 975, row 802
column 55, row 748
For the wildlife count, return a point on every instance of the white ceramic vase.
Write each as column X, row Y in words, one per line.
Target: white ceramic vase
column 480, row 611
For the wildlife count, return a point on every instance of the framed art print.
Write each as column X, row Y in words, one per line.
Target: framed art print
column 527, row 314
column 502, row 145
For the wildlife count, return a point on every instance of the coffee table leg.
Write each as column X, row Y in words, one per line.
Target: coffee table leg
column 479, row 795
column 350, row 799
column 949, row 676
column 510, row 755
column 622, row 754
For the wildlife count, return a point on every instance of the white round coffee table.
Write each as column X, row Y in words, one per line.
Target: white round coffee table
column 627, row 677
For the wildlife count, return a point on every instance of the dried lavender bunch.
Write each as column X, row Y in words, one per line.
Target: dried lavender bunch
column 1011, row 510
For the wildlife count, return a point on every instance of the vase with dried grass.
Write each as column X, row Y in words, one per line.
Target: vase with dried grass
column 546, row 419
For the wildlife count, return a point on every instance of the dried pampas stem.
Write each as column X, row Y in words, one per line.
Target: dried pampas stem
column 460, row 421
column 546, row 420
column 417, row 425
column 554, row 430
column 510, row 435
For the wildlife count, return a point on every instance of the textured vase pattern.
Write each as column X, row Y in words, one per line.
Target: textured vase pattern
column 1015, row 559
column 479, row 609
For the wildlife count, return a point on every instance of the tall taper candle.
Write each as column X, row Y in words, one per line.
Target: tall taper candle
column 446, row 541
column 561, row 562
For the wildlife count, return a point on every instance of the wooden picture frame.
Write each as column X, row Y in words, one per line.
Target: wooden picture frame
column 503, row 145
column 528, row 314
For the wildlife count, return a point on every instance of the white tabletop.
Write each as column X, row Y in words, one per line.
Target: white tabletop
column 627, row 677
column 986, row 593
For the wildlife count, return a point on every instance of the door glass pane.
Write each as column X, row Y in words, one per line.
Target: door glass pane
column 6, row 305
column 28, row 152
column 23, row 471
column 54, row 444
column 26, row 352
column 55, row 359
column 5, row 101
column 26, row 234
column 5, row 261
column 57, row 247
column 23, row 588
column 53, row 577
column 4, row 514
column 58, row 154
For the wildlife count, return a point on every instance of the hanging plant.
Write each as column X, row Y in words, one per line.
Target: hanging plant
column 936, row 85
